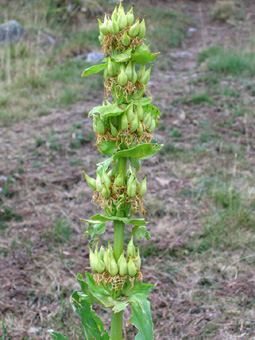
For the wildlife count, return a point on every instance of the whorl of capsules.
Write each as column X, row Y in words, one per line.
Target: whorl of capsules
column 103, row 260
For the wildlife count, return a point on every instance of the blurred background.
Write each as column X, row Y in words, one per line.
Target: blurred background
column 201, row 186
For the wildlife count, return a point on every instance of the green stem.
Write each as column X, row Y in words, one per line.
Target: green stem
column 116, row 326
column 116, row 319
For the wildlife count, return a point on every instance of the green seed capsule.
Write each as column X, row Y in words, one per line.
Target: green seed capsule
column 134, row 124
column 122, row 265
column 100, row 127
column 106, row 192
column 131, row 268
column 142, row 29
column 153, row 125
column 92, row 260
column 101, row 37
column 138, row 259
column 134, row 74
column 145, row 77
column 106, row 179
column 95, row 123
column 106, row 260
column 148, row 119
column 111, row 70
column 122, row 20
column 129, row 71
column 140, row 111
column 115, row 27
column 143, row 187
column 131, row 189
column 104, row 29
column 99, row 185
column 122, row 77
column 91, row 181
column 134, row 30
column 141, row 71
column 125, row 39
column 105, row 73
column 130, row 113
column 114, row 16
column 124, row 122
column 113, row 267
column 131, row 248
column 114, row 131
column 130, row 16
column 101, row 253
column 119, row 180
column 99, row 265
column 121, row 8
column 139, row 129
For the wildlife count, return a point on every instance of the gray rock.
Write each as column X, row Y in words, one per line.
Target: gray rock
column 10, row 32
column 183, row 55
column 94, row 57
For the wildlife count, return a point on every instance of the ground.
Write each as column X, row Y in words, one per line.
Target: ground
column 201, row 189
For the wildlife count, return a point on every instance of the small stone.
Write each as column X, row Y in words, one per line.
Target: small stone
column 10, row 32
column 94, row 57
column 183, row 54
column 192, row 30
column 34, row 330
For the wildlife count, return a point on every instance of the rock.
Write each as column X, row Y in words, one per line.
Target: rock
column 191, row 30
column 94, row 57
column 34, row 331
column 183, row 55
column 10, row 32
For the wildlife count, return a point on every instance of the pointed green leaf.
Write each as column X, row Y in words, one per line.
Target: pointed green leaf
column 93, row 69
column 142, row 55
column 107, row 110
column 107, row 148
column 120, row 58
column 103, row 219
column 140, row 232
column 92, row 324
column 119, row 307
column 143, row 101
column 94, row 229
column 104, row 164
column 141, row 319
column 143, row 151
column 56, row 335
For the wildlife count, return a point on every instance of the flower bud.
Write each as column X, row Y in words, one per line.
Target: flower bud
column 122, row 20
column 130, row 113
column 129, row 70
column 99, row 185
column 106, row 260
column 99, row 265
column 134, row 124
column 131, row 189
column 91, row 181
column 115, row 14
column 143, row 187
column 92, row 260
column 131, row 248
column 138, row 259
column 124, row 122
column 125, row 39
column 130, row 16
column 100, row 126
column 147, row 119
column 111, row 70
column 113, row 267
column 122, row 265
column 134, row 74
column 106, row 192
column 115, row 27
column 104, row 29
column 101, row 253
column 131, row 268
column 122, row 77
column 114, row 131
column 134, row 30
column 106, row 179
column 152, row 126
column 145, row 77
column 142, row 29
column 120, row 9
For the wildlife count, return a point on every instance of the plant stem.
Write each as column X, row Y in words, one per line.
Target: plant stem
column 116, row 326
column 116, row 319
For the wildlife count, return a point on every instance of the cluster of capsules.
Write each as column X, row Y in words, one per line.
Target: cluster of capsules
column 113, row 191
column 120, row 30
column 103, row 261
column 135, row 124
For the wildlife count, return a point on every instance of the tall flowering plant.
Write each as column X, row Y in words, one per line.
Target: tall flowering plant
column 123, row 128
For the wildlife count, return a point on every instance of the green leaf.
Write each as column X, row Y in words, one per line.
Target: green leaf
column 93, row 69
column 142, row 55
column 95, row 229
column 56, row 335
column 140, row 232
column 120, row 58
column 143, row 151
column 92, row 324
column 119, row 307
column 135, row 163
column 83, row 284
column 107, row 110
column 143, row 101
column 154, row 110
column 107, row 148
column 104, row 164
column 141, row 319
column 103, row 219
